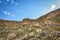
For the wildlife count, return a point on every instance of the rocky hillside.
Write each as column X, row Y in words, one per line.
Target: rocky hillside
column 46, row 27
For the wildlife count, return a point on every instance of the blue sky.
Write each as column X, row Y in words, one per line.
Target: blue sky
column 20, row 9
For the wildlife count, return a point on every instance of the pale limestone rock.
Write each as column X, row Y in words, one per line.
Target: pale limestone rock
column 11, row 35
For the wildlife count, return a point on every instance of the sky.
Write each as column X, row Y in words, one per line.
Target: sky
column 20, row 9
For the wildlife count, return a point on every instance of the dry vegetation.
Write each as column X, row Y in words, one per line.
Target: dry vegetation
column 43, row 28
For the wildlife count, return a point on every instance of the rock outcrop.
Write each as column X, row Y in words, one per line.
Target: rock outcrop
column 46, row 27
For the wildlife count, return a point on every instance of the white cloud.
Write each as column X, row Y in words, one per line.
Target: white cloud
column 9, row 0
column 16, row 3
column 0, row 1
column 13, row 15
column 53, row 6
column 5, row 12
column 9, row 13
column 12, row 2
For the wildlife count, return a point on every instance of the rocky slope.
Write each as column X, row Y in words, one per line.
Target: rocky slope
column 46, row 27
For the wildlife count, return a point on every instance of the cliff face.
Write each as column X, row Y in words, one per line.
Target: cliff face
column 49, row 16
column 46, row 24
column 53, row 14
column 9, row 24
